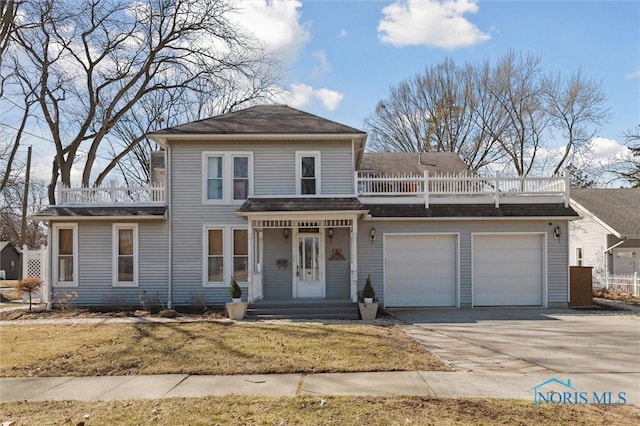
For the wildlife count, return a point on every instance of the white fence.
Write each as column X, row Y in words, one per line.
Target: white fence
column 494, row 188
column 34, row 264
column 623, row 284
column 111, row 194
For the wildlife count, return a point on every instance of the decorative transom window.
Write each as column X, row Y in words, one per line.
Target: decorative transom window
column 65, row 255
column 308, row 172
column 226, row 254
column 228, row 177
column 125, row 255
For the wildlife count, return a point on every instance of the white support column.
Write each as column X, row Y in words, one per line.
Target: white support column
column 259, row 281
column 426, row 189
column 354, row 259
column 250, row 255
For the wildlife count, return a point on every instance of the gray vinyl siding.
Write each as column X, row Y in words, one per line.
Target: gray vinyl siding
column 277, row 283
column 274, row 174
column 337, row 276
column 371, row 261
column 592, row 237
column 95, row 267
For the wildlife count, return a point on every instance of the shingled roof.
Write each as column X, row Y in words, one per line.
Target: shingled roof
column 100, row 212
column 617, row 208
column 471, row 210
column 412, row 163
column 261, row 119
column 257, row 205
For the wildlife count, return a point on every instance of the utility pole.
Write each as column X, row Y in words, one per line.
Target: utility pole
column 25, row 200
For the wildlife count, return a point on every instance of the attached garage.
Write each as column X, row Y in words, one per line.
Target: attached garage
column 508, row 269
column 420, row 270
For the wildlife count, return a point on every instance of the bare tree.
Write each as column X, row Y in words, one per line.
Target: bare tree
column 631, row 168
column 575, row 107
column 90, row 63
column 489, row 113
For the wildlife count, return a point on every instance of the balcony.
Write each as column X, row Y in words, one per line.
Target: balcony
column 111, row 195
column 460, row 189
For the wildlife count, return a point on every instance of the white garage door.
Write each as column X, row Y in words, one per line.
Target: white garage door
column 420, row 270
column 507, row 270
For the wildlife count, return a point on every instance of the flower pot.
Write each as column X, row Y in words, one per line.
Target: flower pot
column 236, row 311
column 368, row 311
column 368, row 300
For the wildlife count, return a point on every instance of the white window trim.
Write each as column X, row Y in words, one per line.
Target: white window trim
column 54, row 243
column 299, row 155
column 579, row 260
column 227, row 254
column 114, row 254
column 227, row 176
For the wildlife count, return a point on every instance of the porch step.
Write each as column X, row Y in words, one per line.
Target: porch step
column 304, row 310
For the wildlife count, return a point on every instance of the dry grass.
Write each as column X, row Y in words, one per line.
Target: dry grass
column 237, row 410
column 207, row 348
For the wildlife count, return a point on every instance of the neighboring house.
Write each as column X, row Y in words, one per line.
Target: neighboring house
column 608, row 235
column 9, row 261
column 290, row 205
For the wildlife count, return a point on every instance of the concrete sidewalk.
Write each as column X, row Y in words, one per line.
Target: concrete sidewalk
column 415, row 383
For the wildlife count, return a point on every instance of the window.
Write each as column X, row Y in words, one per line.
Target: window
column 228, row 177
column 226, row 254
column 13, row 265
column 125, row 255
column 215, row 256
column 240, row 255
column 65, row 256
column 214, row 178
column 308, row 173
column 578, row 256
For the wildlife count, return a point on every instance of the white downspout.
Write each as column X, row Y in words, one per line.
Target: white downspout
column 167, row 196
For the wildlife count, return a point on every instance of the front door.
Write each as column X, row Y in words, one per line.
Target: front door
column 309, row 266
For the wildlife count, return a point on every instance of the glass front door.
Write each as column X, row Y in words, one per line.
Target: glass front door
column 309, row 266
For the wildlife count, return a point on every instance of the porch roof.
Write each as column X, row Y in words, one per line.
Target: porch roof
column 100, row 212
column 471, row 211
column 301, row 204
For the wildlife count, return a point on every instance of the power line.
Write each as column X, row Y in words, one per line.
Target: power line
column 26, row 132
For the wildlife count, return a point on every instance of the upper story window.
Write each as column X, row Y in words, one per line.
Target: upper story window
column 308, row 173
column 65, row 256
column 228, row 177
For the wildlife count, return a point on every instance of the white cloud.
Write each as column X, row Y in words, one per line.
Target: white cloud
column 603, row 149
column 323, row 64
column 329, row 98
column 633, row 75
column 431, row 23
column 342, row 33
column 300, row 95
column 276, row 24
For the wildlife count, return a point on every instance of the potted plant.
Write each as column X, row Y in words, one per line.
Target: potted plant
column 235, row 291
column 369, row 308
column 368, row 293
column 237, row 309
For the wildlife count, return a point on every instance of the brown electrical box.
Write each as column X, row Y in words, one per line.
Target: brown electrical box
column 580, row 285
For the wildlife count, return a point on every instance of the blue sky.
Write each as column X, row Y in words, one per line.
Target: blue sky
column 343, row 48
column 341, row 57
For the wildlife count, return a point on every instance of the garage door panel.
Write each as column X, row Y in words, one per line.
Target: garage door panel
column 420, row 270
column 507, row 270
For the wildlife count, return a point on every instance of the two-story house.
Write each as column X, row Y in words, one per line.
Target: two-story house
column 290, row 205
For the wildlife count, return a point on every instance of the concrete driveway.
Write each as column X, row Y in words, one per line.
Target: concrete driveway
column 564, row 341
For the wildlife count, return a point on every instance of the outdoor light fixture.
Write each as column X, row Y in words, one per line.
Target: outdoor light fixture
column 285, row 232
column 372, row 235
column 557, row 232
column 330, row 234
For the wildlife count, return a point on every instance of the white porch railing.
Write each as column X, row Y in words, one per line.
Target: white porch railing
column 111, row 194
column 623, row 284
column 461, row 188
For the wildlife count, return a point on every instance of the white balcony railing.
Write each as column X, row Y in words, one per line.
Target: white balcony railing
column 460, row 188
column 110, row 195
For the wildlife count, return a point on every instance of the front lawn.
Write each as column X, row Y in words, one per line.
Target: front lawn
column 315, row 410
column 207, row 348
